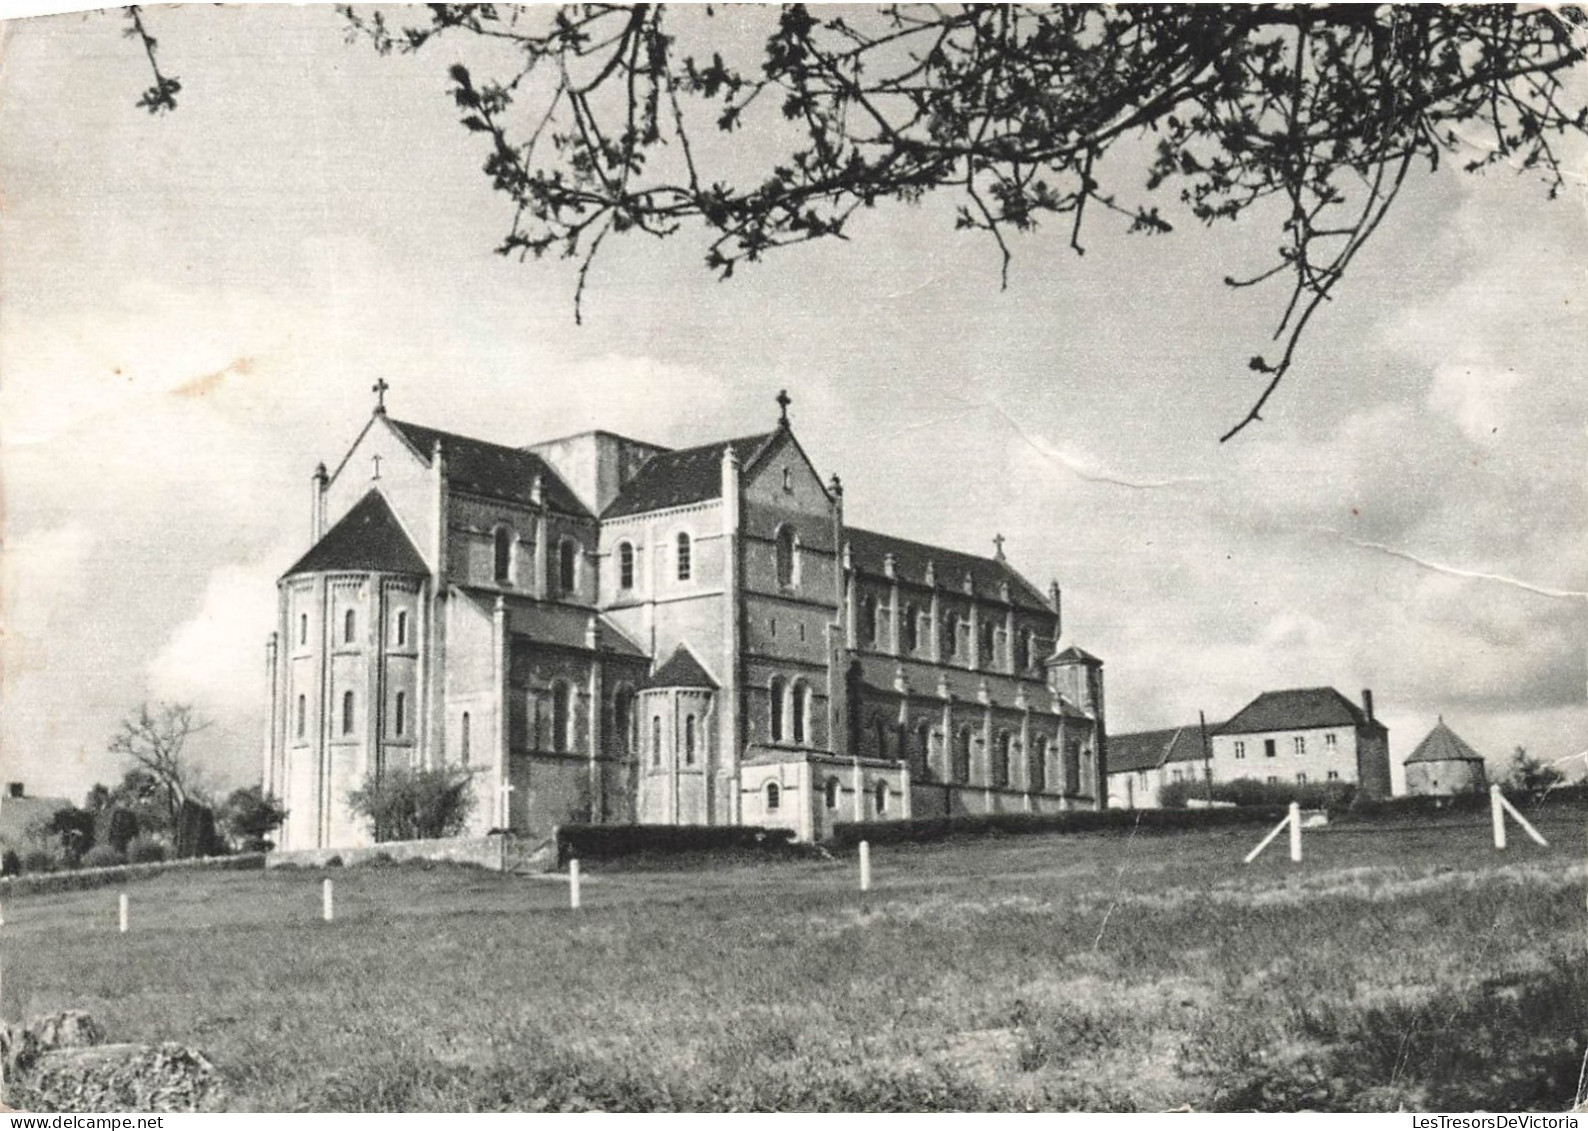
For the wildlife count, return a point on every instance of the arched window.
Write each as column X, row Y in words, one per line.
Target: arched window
column 685, row 564
column 774, row 797
column 909, row 630
column 504, row 555
column 788, row 480
column 567, row 565
column 349, row 626
column 1000, row 766
column 788, row 544
column 402, row 627
column 1037, row 760
column 868, row 620
column 801, row 712
column 303, row 715
column 656, row 740
column 879, row 734
column 775, row 693
column 880, row 792
column 400, row 714
column 830, row 793
column 623, row 720
column 989, row 642
column 1023, row 650
column 347, row 712
column 560, row 714
column 920, row 755
column 960, row 770
column 626, row 565
column 950, row 634
column 303, row 628
column 689, row 740
column 463, row 738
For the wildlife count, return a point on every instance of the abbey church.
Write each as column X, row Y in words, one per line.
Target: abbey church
column 606, row 630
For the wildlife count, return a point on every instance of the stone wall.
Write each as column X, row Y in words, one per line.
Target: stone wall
column 494, row 851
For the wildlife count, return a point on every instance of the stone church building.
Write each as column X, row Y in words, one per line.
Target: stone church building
column 607, row 630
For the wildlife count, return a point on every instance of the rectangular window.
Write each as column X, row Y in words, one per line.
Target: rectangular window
column 1334, row 775
column 1273, row 779
column 1300, row 742
column 400, row 721
column 1268, row 748
column 1301, row 778
column 1177, row 775
column 1329, row 743
column 303, row 715
column 1240, row 749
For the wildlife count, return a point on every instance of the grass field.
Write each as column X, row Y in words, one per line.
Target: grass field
column 1396, row 967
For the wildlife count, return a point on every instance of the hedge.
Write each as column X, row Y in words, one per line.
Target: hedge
column 40, row 883
column 605, row 842
column 1475, row 801
column 1076, row 821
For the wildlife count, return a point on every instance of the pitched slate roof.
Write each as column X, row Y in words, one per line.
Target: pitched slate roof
column 1299, row 709
column 689, row 475
column 1149, row 749
column 868, row 549
column 1443, row 745
column 493, row 471
column 1072, row 654
column 368, row 537
column 554, row 623
column 681, row 670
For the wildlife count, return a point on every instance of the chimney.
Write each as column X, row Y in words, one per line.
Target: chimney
column 1367, row 704
column 13, row 789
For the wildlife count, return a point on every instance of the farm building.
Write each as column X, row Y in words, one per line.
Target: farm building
column 1141, row 764
column 1298, row 737
column 603, row 629
column 1444, row 764
column 19, row 812
column 1311, row 734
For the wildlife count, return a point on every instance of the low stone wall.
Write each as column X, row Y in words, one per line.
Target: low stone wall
column 75, row 879
column 484, row 851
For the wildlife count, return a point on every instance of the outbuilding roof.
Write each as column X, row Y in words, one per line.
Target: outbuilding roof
column 1149, row 749
column 678, row 478
column 868, row 552
column 681, row 670
column 492, row 471
column 1299, row 709
column 368, row 537
column 1443, row 745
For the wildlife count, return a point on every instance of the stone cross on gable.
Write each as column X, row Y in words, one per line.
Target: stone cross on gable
column 379, row 389
column 783, row 401
column 998, row 544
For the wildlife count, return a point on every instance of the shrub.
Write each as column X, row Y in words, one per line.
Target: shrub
column 102, row 856
column 116, row 826
column 604, row 842
column 250, row 815
column 145, row 850
column 40, row 860
column 1075, row 821
column 415, row 804
column 10, row 863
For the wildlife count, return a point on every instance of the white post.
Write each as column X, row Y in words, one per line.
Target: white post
column 573, row 884
column 1527, row 826
column 122, row 907
column 1497, row 816
column 1295, row 832
column 2, row 917
column 327, row 901
column 865, row 865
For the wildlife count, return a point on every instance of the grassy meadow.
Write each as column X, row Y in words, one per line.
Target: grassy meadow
column 1397, row 967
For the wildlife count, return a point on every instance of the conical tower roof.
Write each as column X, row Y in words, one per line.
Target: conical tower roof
column 1443, row 745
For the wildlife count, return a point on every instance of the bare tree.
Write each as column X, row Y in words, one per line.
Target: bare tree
column 604, row 119
column 154, row 738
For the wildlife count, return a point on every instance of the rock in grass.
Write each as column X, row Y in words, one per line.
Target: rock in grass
column 22, row 1045
column 158, row 1078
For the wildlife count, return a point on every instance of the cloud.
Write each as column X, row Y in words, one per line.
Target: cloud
column 215, row 659
column 42, row 584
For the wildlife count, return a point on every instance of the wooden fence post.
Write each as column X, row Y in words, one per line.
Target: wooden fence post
column 1497, row 816
column 865, row 865
column 573, row 884
column 327, row 901
column 1295, row 833
column 122, row 912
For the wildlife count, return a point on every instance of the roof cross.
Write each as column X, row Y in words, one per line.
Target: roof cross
column 998, row 545
column 783, row 401
column 379, row 389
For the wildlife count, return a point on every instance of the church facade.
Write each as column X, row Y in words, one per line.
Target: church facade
column 605, row 630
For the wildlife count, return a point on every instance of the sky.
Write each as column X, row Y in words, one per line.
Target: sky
column 193, row 309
